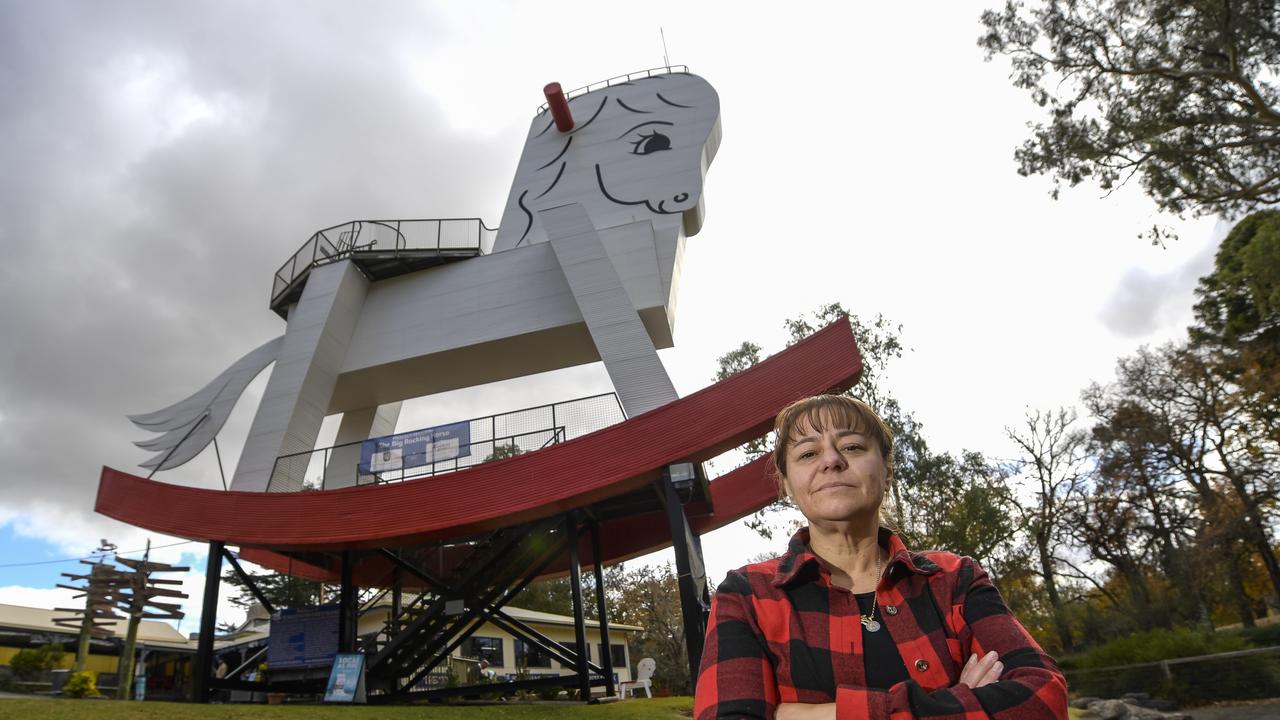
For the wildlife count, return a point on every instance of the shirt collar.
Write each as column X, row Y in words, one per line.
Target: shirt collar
column 799, row 556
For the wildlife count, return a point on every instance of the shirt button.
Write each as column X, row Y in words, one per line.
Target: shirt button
column 922, row 665
column 890, row 609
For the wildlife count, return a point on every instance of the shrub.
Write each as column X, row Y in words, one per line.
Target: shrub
column 33, row 663
column 82, row 684
column 1266, row 636
column 1196, row 682
column 1157, row 645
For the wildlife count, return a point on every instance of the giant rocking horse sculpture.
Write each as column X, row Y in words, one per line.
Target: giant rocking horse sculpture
column 584, row 267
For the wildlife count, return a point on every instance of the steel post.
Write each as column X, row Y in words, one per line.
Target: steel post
column 208, row 623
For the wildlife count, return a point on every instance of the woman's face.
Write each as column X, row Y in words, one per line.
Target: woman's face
column 835, row 475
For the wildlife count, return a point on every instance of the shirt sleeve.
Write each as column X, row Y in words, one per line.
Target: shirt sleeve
column 736, row 679
column 1030, row 688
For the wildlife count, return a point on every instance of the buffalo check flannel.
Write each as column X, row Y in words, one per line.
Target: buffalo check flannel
column 780, row 632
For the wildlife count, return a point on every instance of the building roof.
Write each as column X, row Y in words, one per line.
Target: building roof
column 151, row 633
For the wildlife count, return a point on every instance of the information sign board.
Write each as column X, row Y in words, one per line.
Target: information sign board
column 303, row 637
column 392, row 453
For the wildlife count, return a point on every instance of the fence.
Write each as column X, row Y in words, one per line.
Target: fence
column 619, row 80
column 491, row 437
column 1239, row 675
column 384, row 237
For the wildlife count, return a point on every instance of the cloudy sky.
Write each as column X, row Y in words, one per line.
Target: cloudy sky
column 163, row 159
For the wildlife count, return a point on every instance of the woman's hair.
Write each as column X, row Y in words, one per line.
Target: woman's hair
column 840, row 411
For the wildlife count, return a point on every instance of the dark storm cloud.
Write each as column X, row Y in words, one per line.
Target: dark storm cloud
column 162, row 160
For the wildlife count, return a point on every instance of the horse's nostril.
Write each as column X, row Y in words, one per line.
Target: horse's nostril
column 681, row 197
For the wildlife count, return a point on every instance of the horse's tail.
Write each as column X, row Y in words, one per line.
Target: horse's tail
column 189, row 425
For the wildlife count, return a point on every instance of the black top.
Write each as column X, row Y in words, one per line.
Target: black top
column 880, row 653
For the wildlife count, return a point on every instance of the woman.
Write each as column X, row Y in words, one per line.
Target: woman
column 849, row 623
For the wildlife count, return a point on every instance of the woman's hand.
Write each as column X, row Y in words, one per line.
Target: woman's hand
column 806, row 711
column 978, row 672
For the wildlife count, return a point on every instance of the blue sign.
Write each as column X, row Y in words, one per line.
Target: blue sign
column 346, row 680
column 303, row 637
column 393, row 453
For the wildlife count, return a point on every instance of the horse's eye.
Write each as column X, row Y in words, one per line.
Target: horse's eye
column 651, row 143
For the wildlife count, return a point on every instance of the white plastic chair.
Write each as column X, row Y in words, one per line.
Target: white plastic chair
column 644, row 675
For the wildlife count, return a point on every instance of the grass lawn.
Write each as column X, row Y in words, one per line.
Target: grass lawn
column 677, row 708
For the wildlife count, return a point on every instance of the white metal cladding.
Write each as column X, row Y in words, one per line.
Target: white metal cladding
column 297, row 396
column 616, row 329
column 637, row 150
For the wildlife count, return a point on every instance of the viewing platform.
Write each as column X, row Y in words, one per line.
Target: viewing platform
column 381, row 249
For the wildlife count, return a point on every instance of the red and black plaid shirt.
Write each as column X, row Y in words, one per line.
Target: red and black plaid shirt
column 780, row 632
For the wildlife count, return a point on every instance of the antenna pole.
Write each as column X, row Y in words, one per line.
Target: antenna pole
column 666, row 62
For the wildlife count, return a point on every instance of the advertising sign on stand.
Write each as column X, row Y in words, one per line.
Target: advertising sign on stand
column 346, row 680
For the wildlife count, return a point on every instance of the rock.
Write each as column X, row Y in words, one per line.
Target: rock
column 1162, row 705
column 1110, row 710
column 1082, row 703
column 1137, row 712
column 1136, row 698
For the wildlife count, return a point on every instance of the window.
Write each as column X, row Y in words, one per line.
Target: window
column 571, row 646
column 618, row 654
column 532, row 656
column 484, row 648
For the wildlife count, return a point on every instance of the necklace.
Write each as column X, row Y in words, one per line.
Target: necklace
column 869, row 621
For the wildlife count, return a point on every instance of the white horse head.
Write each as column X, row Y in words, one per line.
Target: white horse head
column 638, row 150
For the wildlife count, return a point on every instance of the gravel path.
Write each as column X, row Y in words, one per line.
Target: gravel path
column 1260, row 710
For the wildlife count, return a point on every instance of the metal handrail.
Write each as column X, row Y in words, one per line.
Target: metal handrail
column 312, row 254
column 558, row 432
column 663, row 70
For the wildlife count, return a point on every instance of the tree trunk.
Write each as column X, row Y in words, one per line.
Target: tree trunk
column 1236, row 580
column 1258, row 534
column 1051, row 588
column 124, row 671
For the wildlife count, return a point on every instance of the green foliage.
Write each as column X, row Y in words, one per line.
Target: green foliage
column 1160, row 644
column 1262, row 636
column 42, row 709
column 1193, row 682
column 82, row 684
column 33, row 663
column 501, row 452
column 649, row 596
column 1240, row 300
column 1183, row 95
column 555, row 595
column 282, row 590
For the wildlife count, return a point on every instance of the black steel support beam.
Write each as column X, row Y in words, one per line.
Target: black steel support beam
column 602, row 612
column 208, row 623
column 558, row 652
column 347, row 607
column 484, row 608
column 400, row 563
column 579, row 612
column 691, row 609
column 248, row 581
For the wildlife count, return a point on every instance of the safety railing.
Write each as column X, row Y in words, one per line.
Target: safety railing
column 391, row 238
column 490, row 437
column 1227, row 676
column 664, row 70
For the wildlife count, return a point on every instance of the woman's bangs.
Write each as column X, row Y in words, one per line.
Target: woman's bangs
column 829, row 414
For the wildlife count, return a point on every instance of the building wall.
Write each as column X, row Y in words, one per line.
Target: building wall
column 373, row 622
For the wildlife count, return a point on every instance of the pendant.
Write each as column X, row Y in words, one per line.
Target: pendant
column 871, row 624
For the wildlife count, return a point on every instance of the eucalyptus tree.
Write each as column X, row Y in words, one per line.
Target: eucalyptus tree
column 1183, row 95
